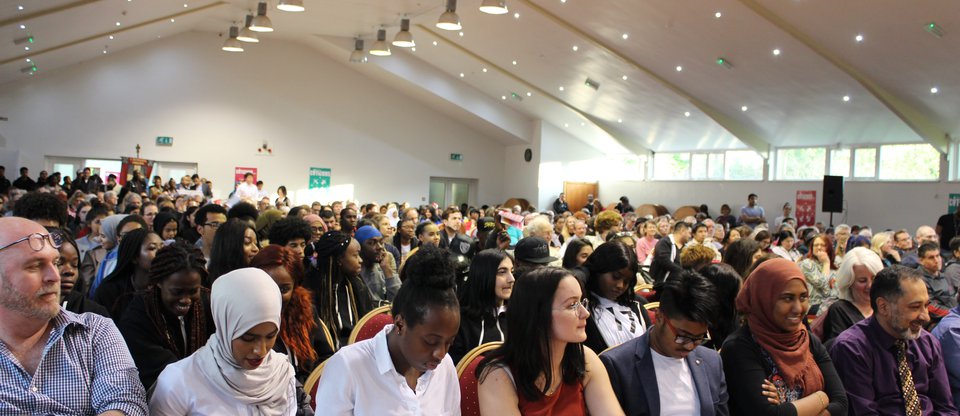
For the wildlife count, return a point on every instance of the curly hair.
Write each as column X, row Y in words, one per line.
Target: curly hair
column 39, row 206
column 607, row 219
column 289, row 229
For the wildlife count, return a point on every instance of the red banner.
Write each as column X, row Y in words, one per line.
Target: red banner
column 130, row 164
column 806, row 211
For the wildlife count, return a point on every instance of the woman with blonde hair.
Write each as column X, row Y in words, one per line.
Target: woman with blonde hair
column 882, row 244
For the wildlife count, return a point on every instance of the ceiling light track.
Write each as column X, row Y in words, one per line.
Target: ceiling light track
column 114, row 32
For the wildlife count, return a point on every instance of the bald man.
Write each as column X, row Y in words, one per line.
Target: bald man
column 925, row 234
column 69, row 378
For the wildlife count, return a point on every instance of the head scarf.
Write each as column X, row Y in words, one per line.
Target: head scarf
column 108, row 227
column 266, row 219
column 790, row 351
column 241, row 300
column 393, row 215
column 365, row 233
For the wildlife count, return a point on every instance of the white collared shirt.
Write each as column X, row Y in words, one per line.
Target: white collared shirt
column 360, row 379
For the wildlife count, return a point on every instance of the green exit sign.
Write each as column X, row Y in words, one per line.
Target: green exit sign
column 164, row 141
column 456, row 156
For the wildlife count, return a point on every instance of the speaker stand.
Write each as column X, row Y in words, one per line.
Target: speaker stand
column 831, row 219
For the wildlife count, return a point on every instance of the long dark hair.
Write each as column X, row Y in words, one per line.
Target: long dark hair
column 430, row 283
column 726, row 281
column 330, row 248
column 740, row 253
column 477, row 294
column 226, row 255
column 608, row 258
column 178, row 257
column 526, row 350
column 573, row 251
column 128, row 253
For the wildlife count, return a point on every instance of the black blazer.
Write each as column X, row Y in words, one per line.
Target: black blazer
column 634, row 379
column 662, row 264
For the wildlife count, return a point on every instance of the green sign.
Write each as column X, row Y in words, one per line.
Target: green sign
column 319, row 178
column 954, row 202
column 456, row 156
column 164, row 141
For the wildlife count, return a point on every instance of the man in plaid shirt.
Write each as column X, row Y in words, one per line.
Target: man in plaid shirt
column 53, row 361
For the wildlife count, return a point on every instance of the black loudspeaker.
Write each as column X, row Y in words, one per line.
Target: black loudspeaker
column 832, row 194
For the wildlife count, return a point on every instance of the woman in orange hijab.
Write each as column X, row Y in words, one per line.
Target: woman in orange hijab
column 773, row 365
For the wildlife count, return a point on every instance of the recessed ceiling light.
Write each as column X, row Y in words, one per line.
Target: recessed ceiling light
column 529, row 94
column 575, row 48
column 624, row 77
column 413, row 49
column 718, row 15
column 514, row 62
column 185, row 5
column 846, row 98
column 118, row 23
column 516, row 15
column 19, row 7
column 111, row 37
column 173, row 20
column 461, row 34
column 28, row 60
column 625, row 36
column 858, row 38
column 104, row 51
column 582, row 124
column 934, row 90
column 563, row 1
column 484, row 70
column 503, row 97
column 687, row 113
column 776, row 52
column 566, row 125
column 744, row 108
column 462, row 75
column 23, row 26
column 561, row 88
column 679, row 68
column 434, row 43
column 26, row 48
column 619, row 120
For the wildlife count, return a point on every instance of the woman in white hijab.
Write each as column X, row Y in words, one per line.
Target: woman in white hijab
column 236, row 372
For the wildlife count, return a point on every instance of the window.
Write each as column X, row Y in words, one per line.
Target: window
column 909, row 162
column 671, row 166
column 698, row 166
column 801, row 164
column 840, row 162
column 743, row 165
column 865, row 163
column 715, row 166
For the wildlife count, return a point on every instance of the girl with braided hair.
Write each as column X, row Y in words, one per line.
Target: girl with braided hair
column 339, row 292
column 302, row 335
column 172, row 318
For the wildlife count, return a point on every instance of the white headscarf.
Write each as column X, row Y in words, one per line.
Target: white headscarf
column 241, row 300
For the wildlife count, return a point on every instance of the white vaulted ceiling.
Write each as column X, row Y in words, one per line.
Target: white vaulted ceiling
column 632, row 48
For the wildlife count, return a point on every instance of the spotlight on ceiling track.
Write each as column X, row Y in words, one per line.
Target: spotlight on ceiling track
column 494, row 7
column 380, row 47
column 404, row 38
column 592, row 84
column 21, row 41
column 29, row 69
column 449, row 19
column 232, row 44
column 247, row 35
column 291, row 5
column 261, row 23
column 357, row 56
column 724, row 63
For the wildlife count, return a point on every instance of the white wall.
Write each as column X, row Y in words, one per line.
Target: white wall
column 561, row 153
column 220, row 107
column 880, row 205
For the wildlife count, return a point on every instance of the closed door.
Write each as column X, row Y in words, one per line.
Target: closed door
column 576, row 193
column 452, row 191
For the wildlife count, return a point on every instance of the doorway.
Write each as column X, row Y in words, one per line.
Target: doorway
column 452, row 191
column 576, row 193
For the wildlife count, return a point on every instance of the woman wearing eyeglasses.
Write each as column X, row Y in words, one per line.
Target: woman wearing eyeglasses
column 615, row 315
column 542, row 368
column 773, row 364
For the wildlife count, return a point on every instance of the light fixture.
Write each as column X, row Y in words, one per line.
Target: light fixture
column 494, row 7
column 21, row 41
column 404, row 38
column 679, row 68
column 744, row 108
column 516, row 15
column 625, row 36
column 261, row 23
column 357, row 56
column 575, row 48
column 291, row 5
column 858, row 38
column 484, row 70
column 29, row 69
column 232, row 44
column 934, row 90
column 22, row 27
column 380, row 47
column 724, row 62
column 718, row 15
column 592, row 84
column 934, row 29
column 776, row 52
column 624, row 77
column 247, row 35
column 619, row 120
column 686, row 114
column 846, row 98
column 449, row 19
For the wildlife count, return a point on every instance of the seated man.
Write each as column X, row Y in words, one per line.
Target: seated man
column 869, row 355
column 666, row 371
column 47, row 359
column 943, row 295
column 948, row 332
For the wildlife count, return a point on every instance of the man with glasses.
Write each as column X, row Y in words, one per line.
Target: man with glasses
column 209, row 218
column 666, row 370
column 47, row 359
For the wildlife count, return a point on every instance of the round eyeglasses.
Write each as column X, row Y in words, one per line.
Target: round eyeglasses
column 38, row 241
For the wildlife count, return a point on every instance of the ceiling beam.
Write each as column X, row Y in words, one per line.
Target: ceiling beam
column 741, row 131
column 925, row 127
column 627, row 144
column 45, row 12
column 112, row 32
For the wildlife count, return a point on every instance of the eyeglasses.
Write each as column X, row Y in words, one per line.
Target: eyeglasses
column 38, row 241
column 575, row 307
column 686, row 340
column 214, row 225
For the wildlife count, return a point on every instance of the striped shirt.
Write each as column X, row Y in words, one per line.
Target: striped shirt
column 85, row 369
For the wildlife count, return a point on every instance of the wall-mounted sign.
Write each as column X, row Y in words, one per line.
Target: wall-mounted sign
column 164, row 141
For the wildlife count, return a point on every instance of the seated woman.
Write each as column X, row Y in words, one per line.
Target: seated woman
column 71, row 286
column 171, row 320
column 615, row 315
column 166, row 226
column 234, row 245
column 741, row 254
column 130, row 277
column 301, row 336
column 542, row 368
column 578, row 250
column 236, row 372
column 882, row 244
column 818, row 268
column 773, row 365
column 339, row 293
column 786, row 246
column 405, row 368
column 854, row 279
column 727, row 282
column 483, row 302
